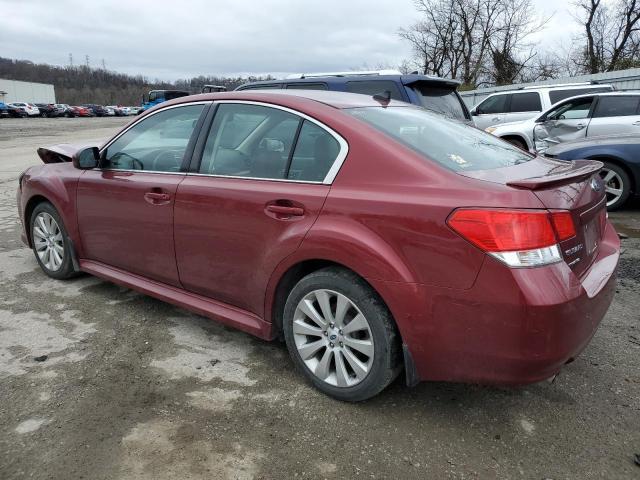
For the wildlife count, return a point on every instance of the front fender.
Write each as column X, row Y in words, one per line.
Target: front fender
column 57, row 184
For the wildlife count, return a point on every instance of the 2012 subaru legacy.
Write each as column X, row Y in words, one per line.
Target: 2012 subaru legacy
column 373, row 236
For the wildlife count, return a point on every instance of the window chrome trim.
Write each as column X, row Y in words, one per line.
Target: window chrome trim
column 130, row 170
column 335, row 167
column 136, row 122
column 239, row 177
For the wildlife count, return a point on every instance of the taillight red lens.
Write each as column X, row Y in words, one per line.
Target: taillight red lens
column 504, row 230
column 563, row 223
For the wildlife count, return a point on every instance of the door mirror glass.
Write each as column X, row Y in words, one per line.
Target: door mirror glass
column 86, row 158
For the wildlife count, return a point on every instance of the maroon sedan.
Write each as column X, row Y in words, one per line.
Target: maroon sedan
column 373, row 236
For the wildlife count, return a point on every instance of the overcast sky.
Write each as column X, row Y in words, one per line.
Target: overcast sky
column 170, row 40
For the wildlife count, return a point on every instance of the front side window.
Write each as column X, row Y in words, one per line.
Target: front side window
column 495, row 104
column 616, row 106
column 373, row 87
column 153, row 96
column 157, row 143
column 572, row 110
column 526, row 102
column 452, row 144
column 440, row 100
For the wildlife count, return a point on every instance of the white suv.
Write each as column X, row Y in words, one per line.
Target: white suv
column 600, row 114
column 30, row 108
column 527, row 102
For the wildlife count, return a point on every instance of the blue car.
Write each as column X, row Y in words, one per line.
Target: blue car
column 433, row 93
column 621, row 157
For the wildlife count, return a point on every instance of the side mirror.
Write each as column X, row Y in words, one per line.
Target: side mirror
column 474, row 112
column 86, row 158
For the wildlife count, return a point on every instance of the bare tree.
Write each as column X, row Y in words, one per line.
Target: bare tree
column 611, row 35
column 475, row 41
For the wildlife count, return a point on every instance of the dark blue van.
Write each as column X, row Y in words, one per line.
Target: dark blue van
column 434, row 93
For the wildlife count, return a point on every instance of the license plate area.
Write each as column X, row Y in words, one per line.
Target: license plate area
column 592, row 235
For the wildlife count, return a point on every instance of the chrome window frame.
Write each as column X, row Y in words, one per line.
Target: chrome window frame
column 136, row 122
column 328, row 179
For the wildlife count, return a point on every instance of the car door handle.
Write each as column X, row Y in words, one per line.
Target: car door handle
column 282, row 210
column 157, row 198
column 580, row 126
column 636, row 123
column 495, row 119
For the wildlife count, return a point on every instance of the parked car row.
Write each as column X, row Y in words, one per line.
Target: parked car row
column 52, row 110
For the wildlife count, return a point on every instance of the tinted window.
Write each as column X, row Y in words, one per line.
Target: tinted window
column 315, row 153
column 556, row 95
column 249, row 141
column 371, row 87
column 452, row 144
column 616, row 106
column 525, row 102
column 157, row 143
column 172, row 95
column 440, row 100
column 572, row 109
column 307, row 86
column 495, row 104
column 153, row 96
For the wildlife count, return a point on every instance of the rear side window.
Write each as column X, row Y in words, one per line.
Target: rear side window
column 525, row 102
column 616, row 106
column 315, row 152
column 307, row 86
column 495, row 104
column 371, row 87
column 452, row 144
column 440, row 100
column 556, row 95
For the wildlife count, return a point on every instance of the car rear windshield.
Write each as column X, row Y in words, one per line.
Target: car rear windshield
column 440, row 99
column 452, row 144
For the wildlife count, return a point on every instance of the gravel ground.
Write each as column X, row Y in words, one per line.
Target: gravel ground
column 133, row 388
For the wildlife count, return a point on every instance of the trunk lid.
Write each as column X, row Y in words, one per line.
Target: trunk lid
column 562, row 185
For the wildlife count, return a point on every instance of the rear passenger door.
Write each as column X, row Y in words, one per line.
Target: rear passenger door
column 615, row 115
column 261, row 176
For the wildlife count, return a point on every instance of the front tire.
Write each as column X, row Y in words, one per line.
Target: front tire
column 50, row 242
column 341, row 335
column 617, row 185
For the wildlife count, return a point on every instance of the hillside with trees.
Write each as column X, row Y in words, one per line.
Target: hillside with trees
column 81, row 84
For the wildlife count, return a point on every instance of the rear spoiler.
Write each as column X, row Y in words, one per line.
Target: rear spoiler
column 59, row 153
column 573, row 170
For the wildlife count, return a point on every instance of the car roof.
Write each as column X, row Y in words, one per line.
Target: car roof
column 293, row 98
column 404, row 79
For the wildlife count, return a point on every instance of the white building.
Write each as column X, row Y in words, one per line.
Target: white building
column 15, row 91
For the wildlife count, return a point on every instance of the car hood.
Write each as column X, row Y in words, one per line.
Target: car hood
column 60, row 153
column 519, row 125
column 629, row 139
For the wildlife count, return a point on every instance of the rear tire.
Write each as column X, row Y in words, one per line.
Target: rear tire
column 617, row 185
column 350, row 356
column 51, row 244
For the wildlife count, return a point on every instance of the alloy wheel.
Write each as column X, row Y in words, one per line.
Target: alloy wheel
column 333, row 338
column 48, row 241
column 613, row 185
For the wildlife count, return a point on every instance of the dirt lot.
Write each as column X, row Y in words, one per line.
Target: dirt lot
column 133, row 388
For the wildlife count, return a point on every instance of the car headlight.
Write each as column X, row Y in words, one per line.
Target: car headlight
column 490, row 129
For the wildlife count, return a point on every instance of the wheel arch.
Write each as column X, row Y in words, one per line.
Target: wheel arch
column 515, row 136
column 30, row 206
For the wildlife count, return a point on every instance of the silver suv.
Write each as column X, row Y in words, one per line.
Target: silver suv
column 601, row 114
column 527, row 102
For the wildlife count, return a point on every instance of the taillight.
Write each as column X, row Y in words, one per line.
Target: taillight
column 519, row 238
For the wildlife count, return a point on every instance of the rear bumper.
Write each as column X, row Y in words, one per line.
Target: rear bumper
column 513, row 327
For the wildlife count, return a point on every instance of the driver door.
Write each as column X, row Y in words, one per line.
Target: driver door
column 568, row 121
column 125, row 207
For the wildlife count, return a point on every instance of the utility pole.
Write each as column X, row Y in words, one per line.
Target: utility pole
column 104, row 65
column 71, row 60
column 86, row 58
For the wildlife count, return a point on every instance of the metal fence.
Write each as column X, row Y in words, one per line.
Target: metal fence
column 621, row 80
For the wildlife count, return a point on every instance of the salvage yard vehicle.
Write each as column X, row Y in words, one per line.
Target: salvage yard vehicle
column 433, row 93
column 30, row 109
column 620, row 155
column 155, row 97
column 527, row 102
column 372, row 235
column 50, row 110
column 595, row 115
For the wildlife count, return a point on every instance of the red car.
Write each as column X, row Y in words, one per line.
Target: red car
column 372, row 235
column 79, row 112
